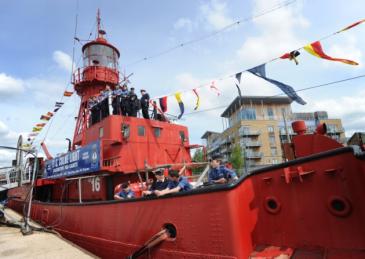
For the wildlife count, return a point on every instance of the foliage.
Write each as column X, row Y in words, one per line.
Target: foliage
column 236, row 158
column 198, row 157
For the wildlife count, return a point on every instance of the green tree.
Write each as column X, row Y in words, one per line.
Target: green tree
column 198, row 157
column 236, row 158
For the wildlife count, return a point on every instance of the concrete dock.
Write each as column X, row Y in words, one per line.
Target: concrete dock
column 13, row 244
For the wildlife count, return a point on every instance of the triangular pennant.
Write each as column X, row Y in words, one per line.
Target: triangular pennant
column 59, row 104
column 181, row 104
column 238, row 78
column 214, row 88
column 163, row 103
column 41, row 125
column 351, row 26
column 288, row 90
column 56, row 109
column 67, row 93
column 291, row 56
column 197, row 104
column 316, row 50
column 45, row 118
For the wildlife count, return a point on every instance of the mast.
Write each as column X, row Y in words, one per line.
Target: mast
column 100, row 69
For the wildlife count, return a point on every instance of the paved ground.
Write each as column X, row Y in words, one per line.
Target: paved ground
column 37, row 245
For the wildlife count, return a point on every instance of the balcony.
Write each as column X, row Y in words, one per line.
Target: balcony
column 252, row 143
column 254, row 155
column 250, row 132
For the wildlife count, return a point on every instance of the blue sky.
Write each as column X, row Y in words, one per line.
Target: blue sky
column 36, row 42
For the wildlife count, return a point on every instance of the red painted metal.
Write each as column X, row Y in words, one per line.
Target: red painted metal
column 310, row 207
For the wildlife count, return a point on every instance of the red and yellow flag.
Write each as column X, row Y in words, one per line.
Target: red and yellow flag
column 352, row 25
column 41, row 125
column 67, row 93
column 315, row 49
column 45, row 118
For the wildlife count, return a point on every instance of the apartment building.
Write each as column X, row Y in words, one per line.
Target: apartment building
column 259, row 125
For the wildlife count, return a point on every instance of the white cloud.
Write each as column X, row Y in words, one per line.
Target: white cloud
column 183, row 23
column 7, row 137
column 63, row 60
column 277, row 33
column 215, row 14
column 10, row 86
column 348, row 108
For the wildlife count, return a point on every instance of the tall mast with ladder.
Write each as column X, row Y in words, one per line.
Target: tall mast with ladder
column 100, row 68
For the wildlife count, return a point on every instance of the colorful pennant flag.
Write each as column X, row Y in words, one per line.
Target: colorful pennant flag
column 40, row 125
column 260, row 71
column 238, row 78
column 215, row 89
column 316, row 50
column 352, row 25
column 59, row 104
column 56, row 109
column 45, row 118
column 49, row 114
column 291, row 56
column 67, row 93
column 197, row 104
column 163, row 103
column 181, row 104
column 36, row 129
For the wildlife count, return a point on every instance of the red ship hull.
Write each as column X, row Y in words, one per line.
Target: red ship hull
column 311, row 207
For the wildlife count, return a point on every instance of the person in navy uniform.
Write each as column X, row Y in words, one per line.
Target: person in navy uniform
column 176, row 183
column 158, row 185
column 218, row 173
column 145, row 103
column 133, row 103
column 125, row 193
column 124, row 100
column 116, row 100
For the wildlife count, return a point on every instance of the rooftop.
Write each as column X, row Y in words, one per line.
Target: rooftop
column 207, row 133
column 235, row 105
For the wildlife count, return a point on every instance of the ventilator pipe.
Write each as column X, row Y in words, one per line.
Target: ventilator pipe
column 299, row 127
column 46, row 152
column 321, row 129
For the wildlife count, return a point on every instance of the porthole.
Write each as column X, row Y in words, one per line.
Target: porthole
column 339, row 206
column 272, row 205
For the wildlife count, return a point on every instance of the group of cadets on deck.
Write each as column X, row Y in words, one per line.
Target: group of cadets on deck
column 218, row 174
column 119, row 101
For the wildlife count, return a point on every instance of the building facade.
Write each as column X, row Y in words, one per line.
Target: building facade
column 259, row 125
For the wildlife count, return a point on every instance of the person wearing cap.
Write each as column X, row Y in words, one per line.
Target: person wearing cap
column 125, row 193
column 116, row 100
column 133, row 103
column 145, row 103
column 176, row 183
column 158, row 185
column 218, row 173
column 124, row 100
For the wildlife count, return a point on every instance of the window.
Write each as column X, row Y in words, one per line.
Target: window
column 125, row 131
column 272, row 140
column 274, row 151
column 141, row 131
column 274, row 161
column 270, row 113
column 270, row 129
column 182, row 136
column 244, row 130
column 248, row 114
column 157, row 132
column 101, row 132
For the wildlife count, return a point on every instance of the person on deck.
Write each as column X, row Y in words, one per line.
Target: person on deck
column 218, row 173
column 125, row 193
column 91, row 105
column 124, row 100
column 158, row 185
column 133, row 103
column 145, row 103
column 116, row 100
column 176, row 183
